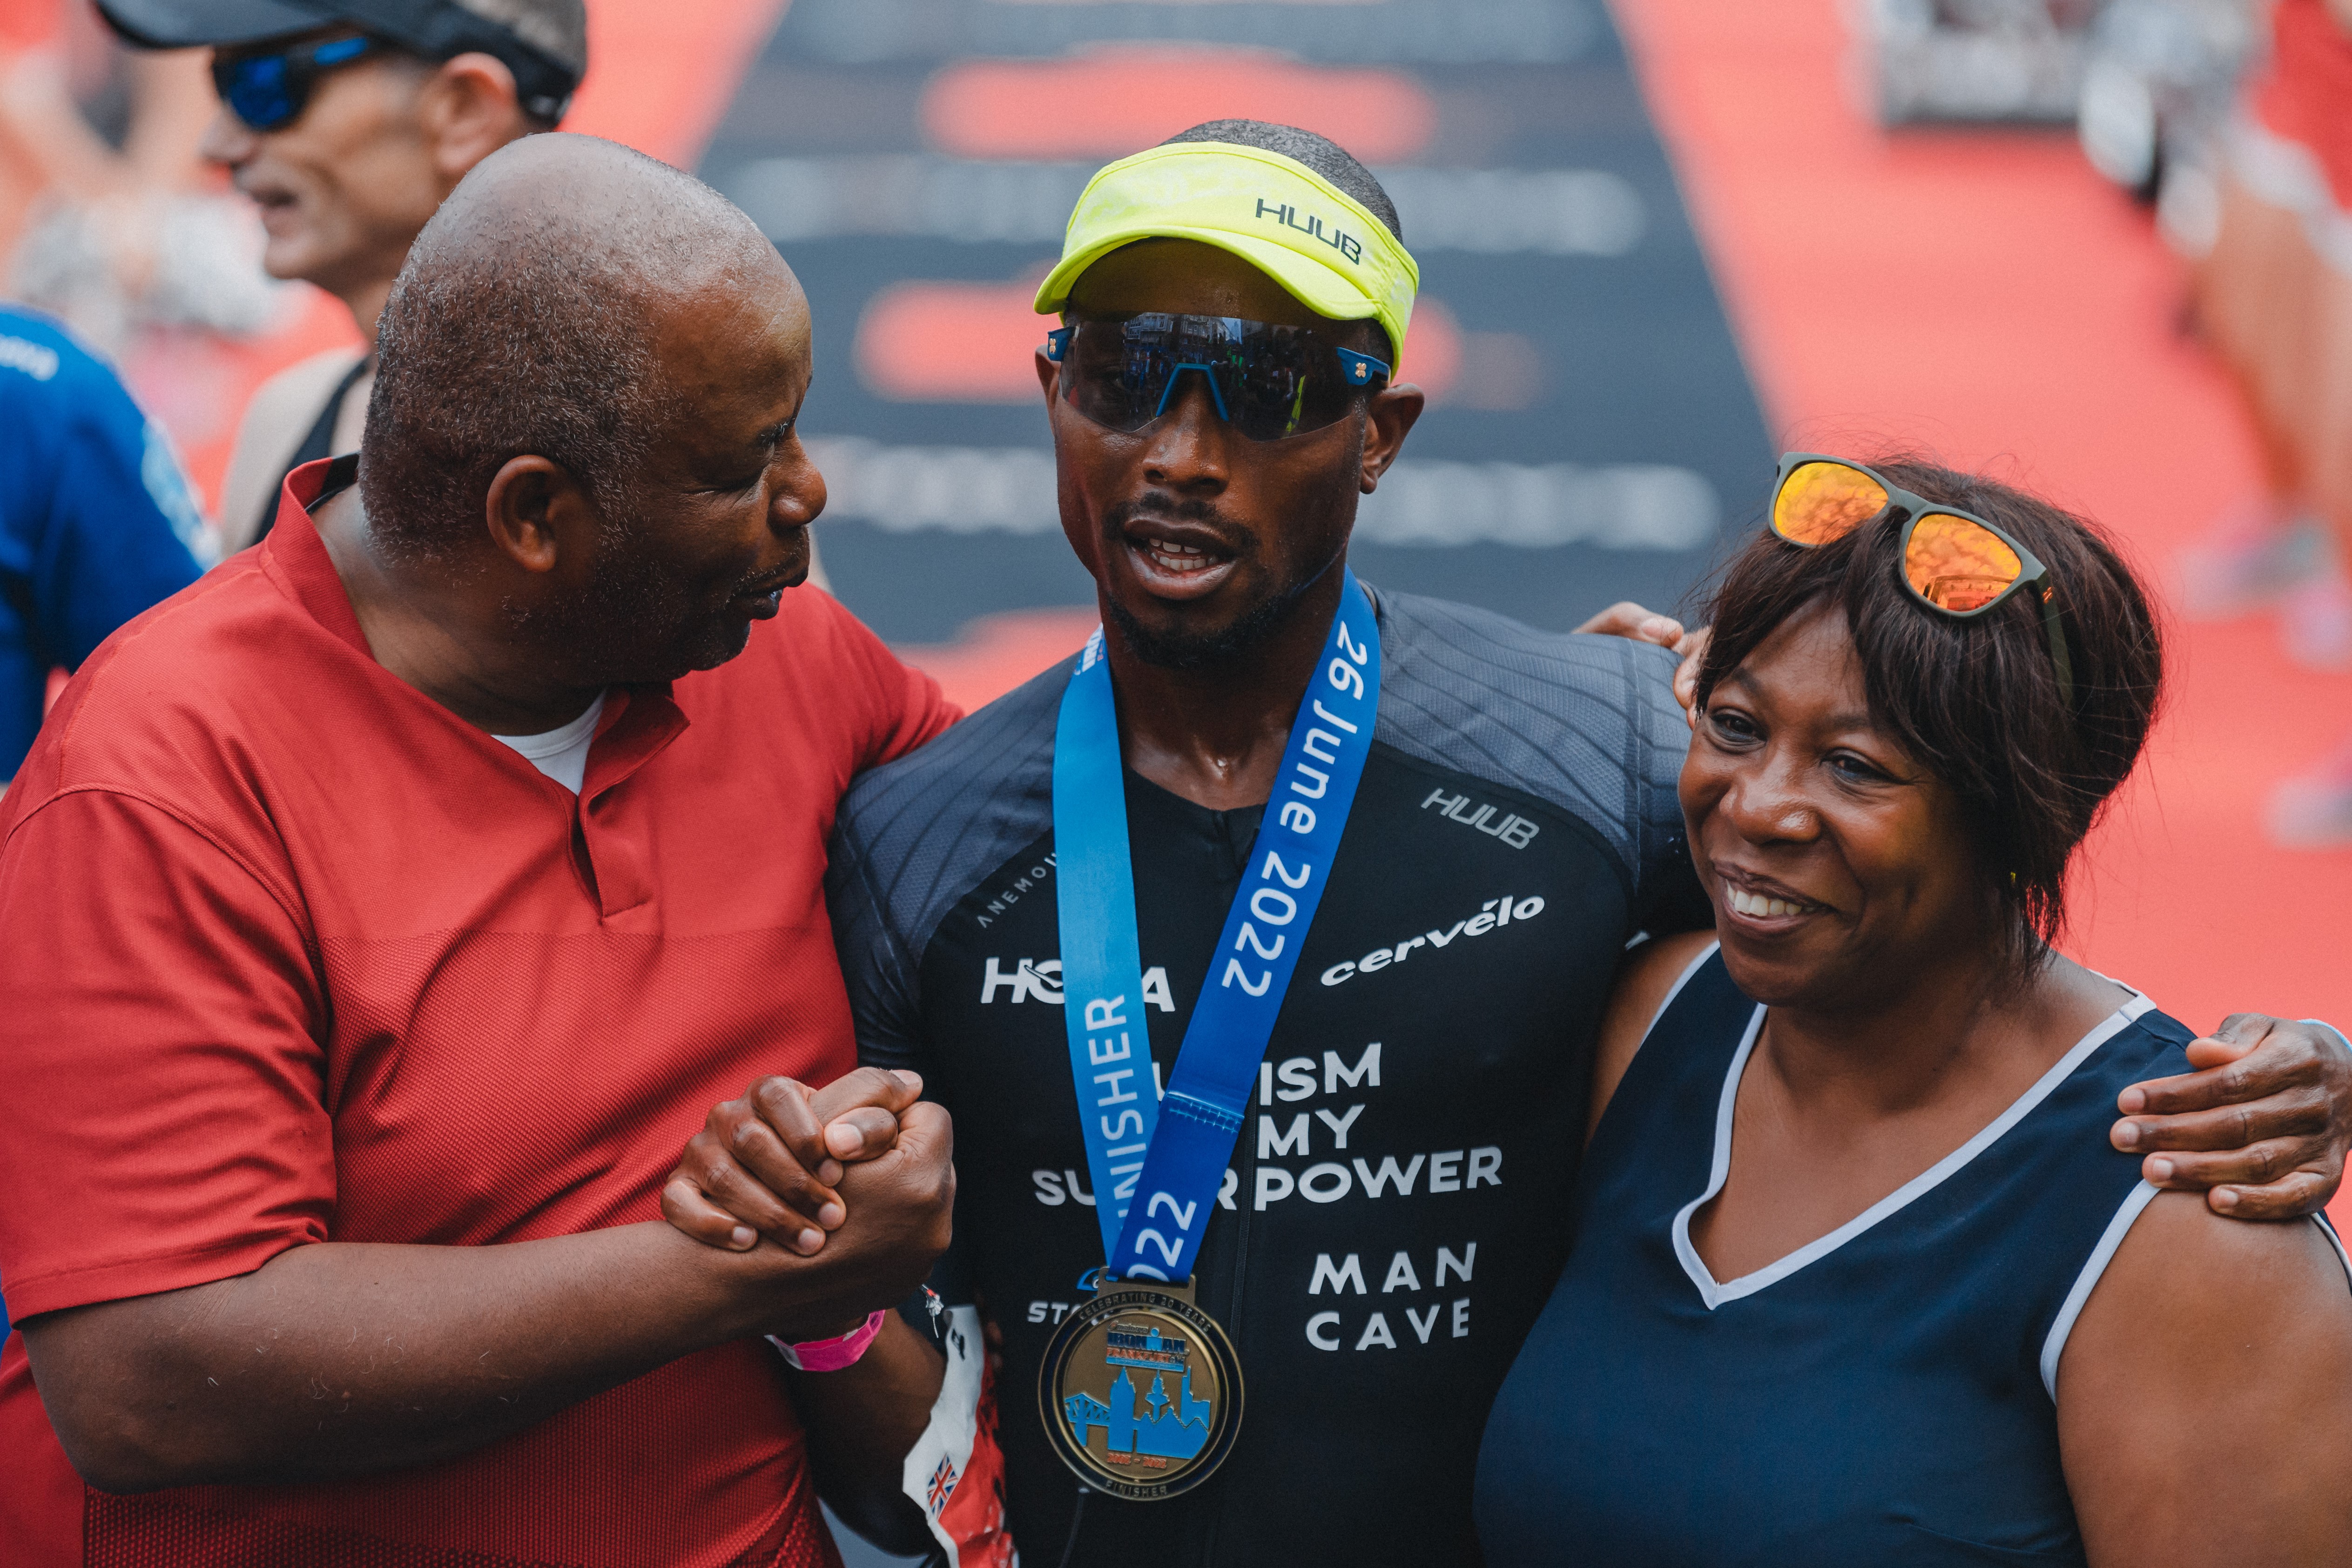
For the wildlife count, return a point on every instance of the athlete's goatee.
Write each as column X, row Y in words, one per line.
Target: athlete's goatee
column 1222, row 647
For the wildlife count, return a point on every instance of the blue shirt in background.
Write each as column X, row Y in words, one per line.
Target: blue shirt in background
column 97, row 523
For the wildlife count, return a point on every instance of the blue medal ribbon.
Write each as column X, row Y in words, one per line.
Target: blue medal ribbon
column 1156, row 1181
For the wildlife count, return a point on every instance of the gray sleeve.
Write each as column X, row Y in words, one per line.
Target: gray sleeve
column 1667, row 896
column 918, row 834
column 876, row 963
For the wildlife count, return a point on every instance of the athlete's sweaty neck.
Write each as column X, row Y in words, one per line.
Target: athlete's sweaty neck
column 1216, row 735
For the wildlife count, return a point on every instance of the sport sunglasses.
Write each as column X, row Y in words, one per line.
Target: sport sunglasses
column 1954, row 562
column 269, row 88
column 1267, row 380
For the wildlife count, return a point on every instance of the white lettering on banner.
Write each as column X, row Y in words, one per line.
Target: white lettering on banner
column 1461, row 1318
column 1225, row 1193
column 1487, row 212
column 1496, row 914
column 1049, row 1188
column 1376, row 1333
column 1320, row 1321
column 1485, row 1165
column 1401, row 1275
column 1421, row 1326
column 1155, row 987
column 1462, row 1265
column 1273, row 1185
column 1038, row 1311
column 1421, row 502
column 1351, row 1272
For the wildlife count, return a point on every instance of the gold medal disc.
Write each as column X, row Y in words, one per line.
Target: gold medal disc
column 1140, row 1393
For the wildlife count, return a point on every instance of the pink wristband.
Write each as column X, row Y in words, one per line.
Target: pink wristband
column 830, row 1355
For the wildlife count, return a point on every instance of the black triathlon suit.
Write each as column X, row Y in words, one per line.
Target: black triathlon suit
column 1398, row 1202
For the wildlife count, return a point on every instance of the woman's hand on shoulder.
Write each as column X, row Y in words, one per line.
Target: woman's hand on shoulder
column 1644, row 977
column 2205, row 1395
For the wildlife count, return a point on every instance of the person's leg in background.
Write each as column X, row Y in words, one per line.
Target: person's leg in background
column 2315, row 808
column 2255, row 295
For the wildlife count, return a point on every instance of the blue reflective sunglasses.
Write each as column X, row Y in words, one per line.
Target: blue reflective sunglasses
column 1267, row 380
column 269, row 88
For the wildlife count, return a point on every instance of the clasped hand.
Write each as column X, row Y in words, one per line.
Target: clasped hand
column 795, row 1164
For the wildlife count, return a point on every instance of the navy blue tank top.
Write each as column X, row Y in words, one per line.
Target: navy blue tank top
column 1883, row 1395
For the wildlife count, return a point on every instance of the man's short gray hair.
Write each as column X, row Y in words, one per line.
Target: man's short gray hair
column 521, row 325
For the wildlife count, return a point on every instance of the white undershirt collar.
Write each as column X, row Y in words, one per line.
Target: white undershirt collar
column 562, row 753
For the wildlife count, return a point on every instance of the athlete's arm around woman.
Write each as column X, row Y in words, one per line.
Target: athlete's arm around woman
column 1855, row 1280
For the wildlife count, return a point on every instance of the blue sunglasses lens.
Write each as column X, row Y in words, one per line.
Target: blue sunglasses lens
column 1267, row 381
column 270, row 91
column 257, row 91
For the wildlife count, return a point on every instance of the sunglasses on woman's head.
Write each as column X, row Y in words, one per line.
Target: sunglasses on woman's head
column 269, row 88
column 1954, row 562
column 1267, row 380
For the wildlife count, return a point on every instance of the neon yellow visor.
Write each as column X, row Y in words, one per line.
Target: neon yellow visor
column 1319, row 243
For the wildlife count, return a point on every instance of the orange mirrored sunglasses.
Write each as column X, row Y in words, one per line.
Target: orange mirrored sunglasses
column 1954, row 562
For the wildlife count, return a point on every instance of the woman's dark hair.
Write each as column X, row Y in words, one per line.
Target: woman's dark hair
column 1976, row 703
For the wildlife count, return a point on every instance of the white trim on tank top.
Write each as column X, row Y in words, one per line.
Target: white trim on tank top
column 1714, row 1294
column 2054, row 1345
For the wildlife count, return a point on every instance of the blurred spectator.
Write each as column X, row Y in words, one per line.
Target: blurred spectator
column 347, row 121
column 2274, row 294
column 1982, row 61
column 96, row 522
column 107, row 218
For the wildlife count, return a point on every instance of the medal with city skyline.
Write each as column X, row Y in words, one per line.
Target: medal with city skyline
column 1141, row 1393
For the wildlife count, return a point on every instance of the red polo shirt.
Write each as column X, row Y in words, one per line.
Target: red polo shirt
column 294, row 954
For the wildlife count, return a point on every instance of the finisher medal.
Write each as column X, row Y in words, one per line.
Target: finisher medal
column 1140, row 1391
column 1142, row 1394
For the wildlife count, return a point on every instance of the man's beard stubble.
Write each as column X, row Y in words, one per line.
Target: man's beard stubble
column 1221, row 648
column 634, row 623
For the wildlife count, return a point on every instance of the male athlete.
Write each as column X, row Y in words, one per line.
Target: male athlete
column 1390, row 1218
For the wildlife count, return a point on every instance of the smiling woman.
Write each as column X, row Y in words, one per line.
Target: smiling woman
column 1922, row 690
column 2027, row 770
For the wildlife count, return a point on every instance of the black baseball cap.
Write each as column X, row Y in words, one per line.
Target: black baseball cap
column 543, row 42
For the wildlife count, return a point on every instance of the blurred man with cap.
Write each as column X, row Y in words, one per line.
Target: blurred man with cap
column 348, row 121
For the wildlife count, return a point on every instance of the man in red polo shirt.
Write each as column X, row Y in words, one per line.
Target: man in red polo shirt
column 413, row 884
